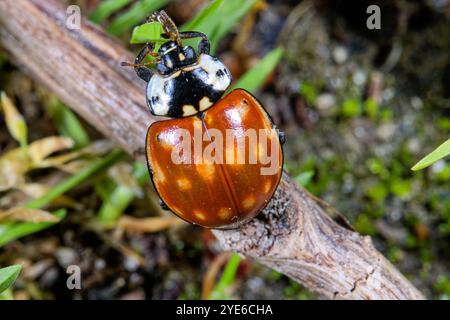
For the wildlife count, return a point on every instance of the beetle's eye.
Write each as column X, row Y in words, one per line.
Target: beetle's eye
column 168, row 62
column 189, row 52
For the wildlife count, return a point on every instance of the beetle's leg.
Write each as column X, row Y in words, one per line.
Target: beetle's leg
column 143, row 72
column 163, row 205
column 204, row 45
column 282, row 137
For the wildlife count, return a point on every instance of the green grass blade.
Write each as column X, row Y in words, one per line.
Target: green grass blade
column 15, row 122
column 7, row 295
column 253, row 79
column 75, row 180
column 228, row 276
column 120, row 198
column 106, row 8
column 68, row 124
column 135, row 15
column 8, row 276
column 217, row 19
column 13, row 231
column 200, row 21
column 304, row 178
column 440, row 152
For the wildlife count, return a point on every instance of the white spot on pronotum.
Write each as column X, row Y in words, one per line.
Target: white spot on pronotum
column 189, row 110
column 155, row 88
column 212, row 66
column 205, row 103
column 181, row 56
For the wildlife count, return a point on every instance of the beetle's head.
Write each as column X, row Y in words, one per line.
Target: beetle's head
column 174, row 57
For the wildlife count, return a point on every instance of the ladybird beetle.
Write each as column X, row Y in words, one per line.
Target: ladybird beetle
column 187, row 86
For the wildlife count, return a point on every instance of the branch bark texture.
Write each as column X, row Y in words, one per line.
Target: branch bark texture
column 292, row 235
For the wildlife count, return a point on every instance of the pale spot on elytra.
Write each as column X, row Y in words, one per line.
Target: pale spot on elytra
column 225, row 213
column 200, row 215
column 168, row 139
column 184, row 184
column 206, row 171
column 205, row 103
column 158, row 174
column 234, row 117
column 181, row 56
column 249, row 202
column 267, row 187
column 244, row 110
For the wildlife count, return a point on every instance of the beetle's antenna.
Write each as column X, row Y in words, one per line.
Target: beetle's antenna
column 169, row 26
column 137, row 65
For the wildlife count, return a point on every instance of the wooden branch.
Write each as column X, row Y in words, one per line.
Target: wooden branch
column 292, row 235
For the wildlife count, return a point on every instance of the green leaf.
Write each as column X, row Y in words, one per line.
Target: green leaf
column 116, row 201
column 253, row 79
column 309, row 92
column 227, row 279
column 304, row 178
column 106, row 8
column 14, row 120
column 351, row 108
column 148, row 32
column 217, row 19
column 7, row 295
column 136, row 14
column 200, row 21
column 440, row 152
column 371, row 108
column 14, row 230
column 8, row 275
column 400, row 188
column 68, row 124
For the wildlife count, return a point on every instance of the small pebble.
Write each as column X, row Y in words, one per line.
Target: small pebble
column 326, row 104
column 130, row 264
column 416, row 103
column 386, row 131
column 66, row 257
column 359, row 78
column 340, row 55
column 100, row 264
column 414, row 145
